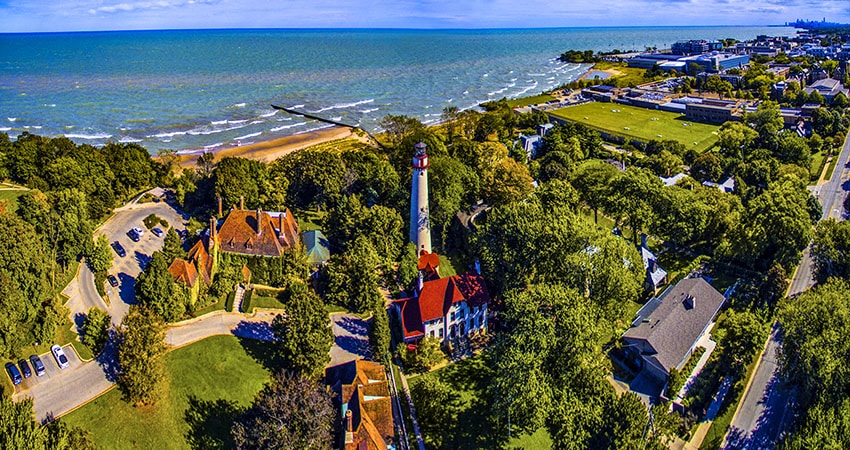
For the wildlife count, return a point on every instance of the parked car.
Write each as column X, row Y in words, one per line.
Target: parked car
column 157, row 231
column 14, row 373
column 25, row 368
column 139, row 231
column 119, row 249
column 37, row 365
column 133, row 235
column 112, row 280
column 61, row 359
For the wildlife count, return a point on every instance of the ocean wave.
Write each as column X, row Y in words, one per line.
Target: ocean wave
column 49, row 105
column 485, row 75
column 88, row 136
column 212, row 146
column 284, row 119
column 256, row 122
column 189, row 152
column 536, row 74
column 5, row 129
column 344, row 105
column 218, row 122
column 34, row 127
column 168, row 135
column 369, row 110
column 322, row 127
column 68, row 127
column 296, row 106
column 247, row 136
column 450, row 100
column 269, row 114
column 12, row 119
column 429, row 121
column 336, row 119
column 465, row 92
column 197, row 132
column 286, row 127
column 128, row 140
column 238, row 105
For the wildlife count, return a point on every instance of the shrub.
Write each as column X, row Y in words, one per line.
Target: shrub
column 246, row 301
column 228, row 303
column 424, row 357
column 151, row 221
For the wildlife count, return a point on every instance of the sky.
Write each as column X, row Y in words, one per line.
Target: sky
column 96, row 15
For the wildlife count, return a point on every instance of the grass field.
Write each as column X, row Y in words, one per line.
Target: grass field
column 637, row 123
column 533, row 100
column 629, row 76
column 210, row 382
column 11, row 196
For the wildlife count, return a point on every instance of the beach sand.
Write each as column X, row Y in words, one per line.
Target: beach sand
column 611, row 72
column 268, row 151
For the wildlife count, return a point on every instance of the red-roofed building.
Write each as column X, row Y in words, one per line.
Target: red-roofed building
column 257, row 232
column 429, row 265
column 445, row 308
column 365, row 404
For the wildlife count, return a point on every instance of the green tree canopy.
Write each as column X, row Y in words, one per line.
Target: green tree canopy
column 305, row 337
column 141, row 348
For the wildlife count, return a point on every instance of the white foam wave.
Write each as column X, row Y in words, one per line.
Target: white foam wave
column 284, row 119
column 211, row 146
column 34, row 127
column 4, row 129
column 286, row 127
column 450, row 100
column 337, row 118
column 12, row 119
column 345, row 105
column 369, row 110
column 269, row 114
column 536, row 74
column 239, row 105
column 255, row 122
column 50, row 105
column 168, row 135
column 296, row 106
column 128, row 140
column 218, row 122
column 485, row 75
column 248, row 136
column 315, row 129
column 88, row 136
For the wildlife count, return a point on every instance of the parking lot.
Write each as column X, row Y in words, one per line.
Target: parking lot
column 51, row 369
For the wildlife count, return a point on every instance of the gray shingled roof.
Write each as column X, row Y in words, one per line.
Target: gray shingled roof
column 672, row 322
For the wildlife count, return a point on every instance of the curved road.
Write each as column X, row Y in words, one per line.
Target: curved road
column 762, row 414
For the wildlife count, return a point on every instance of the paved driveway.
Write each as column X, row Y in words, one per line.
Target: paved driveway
column 82, row 292
column 351, row 339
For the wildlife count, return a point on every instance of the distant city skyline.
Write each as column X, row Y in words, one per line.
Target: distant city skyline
column 97, row 15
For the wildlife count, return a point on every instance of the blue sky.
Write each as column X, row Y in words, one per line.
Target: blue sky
column 89, row 15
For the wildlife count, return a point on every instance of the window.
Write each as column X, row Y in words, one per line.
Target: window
column 452, row 317
column 431, row 333
column 441, row 333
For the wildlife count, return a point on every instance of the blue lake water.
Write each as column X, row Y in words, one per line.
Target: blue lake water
column 212, row 88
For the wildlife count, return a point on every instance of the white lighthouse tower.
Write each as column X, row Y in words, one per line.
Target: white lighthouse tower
column 420, row 226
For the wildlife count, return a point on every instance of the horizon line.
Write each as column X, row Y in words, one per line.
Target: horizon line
column 785, row 25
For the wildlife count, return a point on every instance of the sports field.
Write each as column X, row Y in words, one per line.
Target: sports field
column 641, row 124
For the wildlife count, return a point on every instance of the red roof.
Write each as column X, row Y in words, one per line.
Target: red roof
column 257, row 233
column 429, row 261
column 183, row 271
column 436, row 298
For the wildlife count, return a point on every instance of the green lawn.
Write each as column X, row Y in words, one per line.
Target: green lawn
column 266, row 302
column 210, row 381
column 637, row 123
column 309, row 220
column 831, row 167
column 628, row 75
column 818, row 161
column 11, row 196
column 533, row 100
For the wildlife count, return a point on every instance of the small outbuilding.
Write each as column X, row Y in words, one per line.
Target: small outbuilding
column 316, row 246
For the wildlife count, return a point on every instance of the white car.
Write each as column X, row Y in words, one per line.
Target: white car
column 139, row 231
column 61, row 359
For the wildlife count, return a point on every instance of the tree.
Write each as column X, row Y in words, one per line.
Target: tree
column 425, row 356
column 593, row 182
column 172, row 245
column 156, row 288
column 141, row 348
column 291, row 412
column 379, row 334
column 408, row 266
column 314, row 176
column 239, row 179
column 350, row 279
column 95, row 329
column 707, row 167
column 831, row 250
column 305, row 337
column 741, row 333
column 507, row 181
column 735, row 139
column 452, row 186
column 437, row 407
column 399, row 126
column 100, row 259
column 206, row 164
column 18, row 430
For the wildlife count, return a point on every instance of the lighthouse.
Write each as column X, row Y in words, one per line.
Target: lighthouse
column 420, row 226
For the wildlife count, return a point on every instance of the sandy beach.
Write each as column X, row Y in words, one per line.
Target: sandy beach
column 268, row 151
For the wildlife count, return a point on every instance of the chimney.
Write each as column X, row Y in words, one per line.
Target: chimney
column 241, row 202
column 219, row 207
column 349, row 422
column 281, row 218
column 213, row 231
column 259, row 224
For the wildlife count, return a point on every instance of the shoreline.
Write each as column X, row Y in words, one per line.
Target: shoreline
column 268, row 151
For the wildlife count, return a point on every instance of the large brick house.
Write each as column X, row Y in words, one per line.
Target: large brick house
column 365, row 406
column 445, row 308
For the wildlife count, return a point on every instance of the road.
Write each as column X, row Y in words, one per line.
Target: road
column 764, row 409
column 61, row 391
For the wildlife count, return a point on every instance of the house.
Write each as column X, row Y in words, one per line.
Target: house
column 256, row 232
column 317, row 247
column 829, row 88
column 445, row 308
column 530, row 143
column 655, row 275
column 727, row 186
column 198, row 263
column 668, row 327
column 365, row 405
